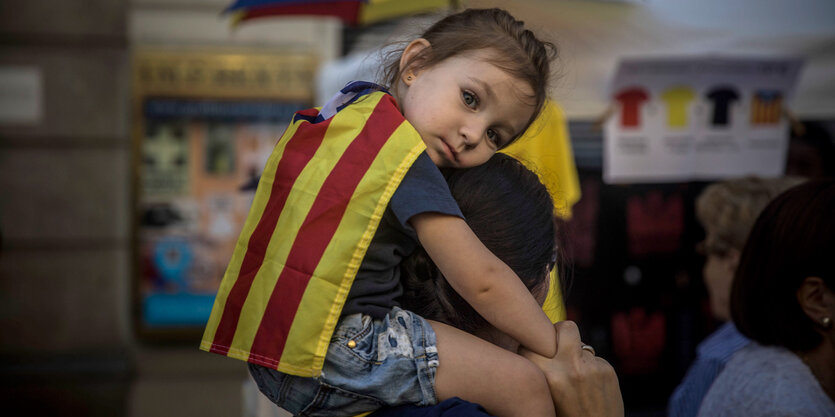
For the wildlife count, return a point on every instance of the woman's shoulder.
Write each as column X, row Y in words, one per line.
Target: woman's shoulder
column 751, row 369
column 756, row 354
column 765, row 380
column 765, row 368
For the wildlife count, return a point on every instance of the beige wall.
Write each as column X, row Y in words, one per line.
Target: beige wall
column 64, row 212
column 64, row 181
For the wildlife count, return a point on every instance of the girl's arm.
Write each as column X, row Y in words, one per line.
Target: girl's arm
column 484, row 281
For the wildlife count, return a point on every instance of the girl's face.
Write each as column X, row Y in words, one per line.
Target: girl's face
column 464, row 108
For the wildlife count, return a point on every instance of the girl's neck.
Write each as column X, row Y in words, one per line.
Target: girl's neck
column 394, row 91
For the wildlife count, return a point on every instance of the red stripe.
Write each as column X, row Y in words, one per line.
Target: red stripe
column 297, row 154
column 347, row 11
column 317, row 230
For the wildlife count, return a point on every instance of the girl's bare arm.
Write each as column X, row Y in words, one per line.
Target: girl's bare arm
column 484, row 281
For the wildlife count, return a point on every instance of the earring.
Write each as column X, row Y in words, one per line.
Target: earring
column 408, row 78
column 826, row 322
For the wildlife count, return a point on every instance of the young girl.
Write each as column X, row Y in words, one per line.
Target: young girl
column 309, row 297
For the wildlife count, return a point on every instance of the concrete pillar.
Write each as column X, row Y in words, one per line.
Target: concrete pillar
column 64, row 262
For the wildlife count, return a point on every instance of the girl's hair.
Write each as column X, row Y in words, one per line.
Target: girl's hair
column 518, row 51
column 511, row 212
column 794, row 238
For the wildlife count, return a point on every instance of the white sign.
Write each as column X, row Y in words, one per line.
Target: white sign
column 698, row 118
column 21, row 95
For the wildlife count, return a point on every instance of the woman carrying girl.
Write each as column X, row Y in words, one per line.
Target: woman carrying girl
column 310, row 296
column 511, row 212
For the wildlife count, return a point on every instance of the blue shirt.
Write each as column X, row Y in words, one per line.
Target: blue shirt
column 377, row 284
column 766, row 381
column 711, row 357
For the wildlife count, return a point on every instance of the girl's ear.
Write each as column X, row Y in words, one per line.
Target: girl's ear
column 407, row 59
column 816, row 300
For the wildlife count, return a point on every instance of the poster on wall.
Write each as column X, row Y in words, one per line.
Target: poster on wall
column 698, row 118
column 204, row 125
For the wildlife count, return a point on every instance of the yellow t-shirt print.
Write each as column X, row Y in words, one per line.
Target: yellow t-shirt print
column 676, row 100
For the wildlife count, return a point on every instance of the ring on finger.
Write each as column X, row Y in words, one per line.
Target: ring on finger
column 588, row 348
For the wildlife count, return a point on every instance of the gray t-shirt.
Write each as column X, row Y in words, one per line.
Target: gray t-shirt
column 766, row 381
column 377, row 284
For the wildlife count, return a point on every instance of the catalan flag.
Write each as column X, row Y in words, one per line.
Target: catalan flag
column 766, row 107
column 318, row 204
column 351, row 12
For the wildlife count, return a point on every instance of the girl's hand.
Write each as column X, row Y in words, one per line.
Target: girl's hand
column 581, row 384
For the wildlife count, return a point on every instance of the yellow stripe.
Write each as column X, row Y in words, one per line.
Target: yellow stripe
column 554, row 307
column 335, row 273
column 236, row 19
column 255, row 212
column 340, row 134
column 775, row 113
column 378, row 10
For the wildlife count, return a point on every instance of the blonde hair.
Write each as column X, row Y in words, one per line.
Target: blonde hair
column 727, row 210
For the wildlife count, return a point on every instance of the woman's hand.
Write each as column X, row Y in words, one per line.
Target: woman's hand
column 581, row 384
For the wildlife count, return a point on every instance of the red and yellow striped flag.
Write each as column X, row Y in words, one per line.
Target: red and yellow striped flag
column 318, row 205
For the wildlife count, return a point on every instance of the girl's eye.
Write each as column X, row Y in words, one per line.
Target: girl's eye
column 493, row 136
column 470, row 99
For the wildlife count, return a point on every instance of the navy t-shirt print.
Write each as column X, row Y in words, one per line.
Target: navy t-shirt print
column 722, row 98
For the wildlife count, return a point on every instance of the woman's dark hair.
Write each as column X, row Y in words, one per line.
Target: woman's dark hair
column 518, row 51
column 811, row 151
column 793, row 238
column 511, row 212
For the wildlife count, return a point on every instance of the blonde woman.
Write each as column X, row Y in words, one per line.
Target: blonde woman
column 727, row 211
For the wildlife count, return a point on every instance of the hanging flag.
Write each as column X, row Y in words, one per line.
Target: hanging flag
column 318, row 204
column 545, row 149
column 351, row 12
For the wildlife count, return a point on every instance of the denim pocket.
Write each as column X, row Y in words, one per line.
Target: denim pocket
column 354, row 341
column 384, row 361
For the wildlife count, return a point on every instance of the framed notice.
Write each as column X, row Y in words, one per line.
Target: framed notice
column 204, row 126
column 698, row 118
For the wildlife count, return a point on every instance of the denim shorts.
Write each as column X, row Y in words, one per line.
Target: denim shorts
column 371, row 363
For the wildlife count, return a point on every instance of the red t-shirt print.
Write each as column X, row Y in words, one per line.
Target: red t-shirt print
column 631, row 99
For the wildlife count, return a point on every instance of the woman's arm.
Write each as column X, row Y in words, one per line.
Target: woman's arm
column 484, row 281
